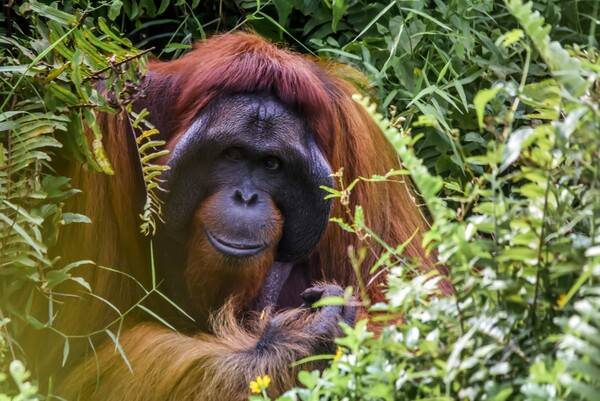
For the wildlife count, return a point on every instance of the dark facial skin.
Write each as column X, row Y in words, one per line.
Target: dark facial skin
column 254, row 149
column 253, row 159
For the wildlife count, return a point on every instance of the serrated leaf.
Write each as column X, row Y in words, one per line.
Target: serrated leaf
column 342, row 224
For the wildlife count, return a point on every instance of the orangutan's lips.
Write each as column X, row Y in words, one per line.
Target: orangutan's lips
column 235, row 249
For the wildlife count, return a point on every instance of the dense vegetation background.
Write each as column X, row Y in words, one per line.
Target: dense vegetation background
column 494, row 109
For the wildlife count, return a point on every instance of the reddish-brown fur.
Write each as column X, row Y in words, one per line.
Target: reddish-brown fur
column 171, row 366
column 205, row 263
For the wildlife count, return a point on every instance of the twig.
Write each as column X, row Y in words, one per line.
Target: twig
column 97, row 74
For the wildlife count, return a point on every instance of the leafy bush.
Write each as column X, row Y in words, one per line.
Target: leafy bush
column 522, row 247
column 498, row 126
column 48, row 61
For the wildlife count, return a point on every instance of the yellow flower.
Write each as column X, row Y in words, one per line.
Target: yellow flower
column 338, row 354
column 562, row 300
column 260, row 384
column 264, row 381
column 254, row 387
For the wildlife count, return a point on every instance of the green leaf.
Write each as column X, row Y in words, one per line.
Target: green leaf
column 66, row 349
column 345, row 226
column 511, row 37
column 115, row 9
column 338, row 8
column 156, row 316
column 68, row 218
column 516, row 142
column 163, row 6
column 329, row 301
column 63, row 95
column 481, row 100
column 52, row 13
column 308, row 379
column 284, row 8
column 115, row 340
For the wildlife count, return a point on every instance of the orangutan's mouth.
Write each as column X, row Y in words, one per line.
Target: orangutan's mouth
column 234, row 248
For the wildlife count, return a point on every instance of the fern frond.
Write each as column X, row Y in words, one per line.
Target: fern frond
column 428, row 185
column 581, row 344
column 149, row 150
column 566, row 69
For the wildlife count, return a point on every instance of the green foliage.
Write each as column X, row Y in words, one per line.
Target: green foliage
column 50, row 60
column 519, row 237
column 17, row 373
